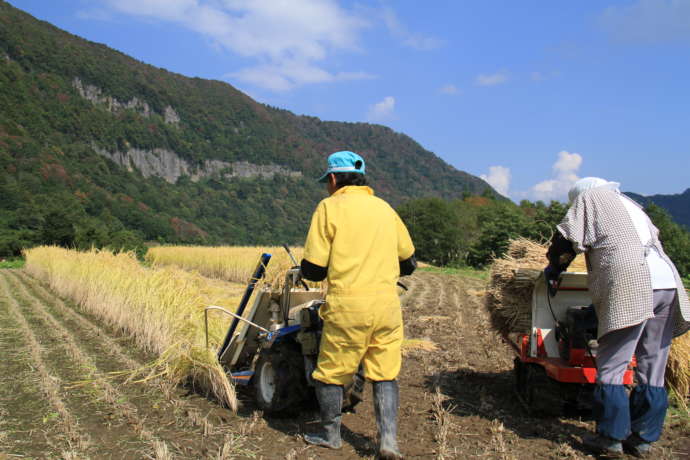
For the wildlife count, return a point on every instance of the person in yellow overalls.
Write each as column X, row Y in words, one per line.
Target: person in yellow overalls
column 358, row 242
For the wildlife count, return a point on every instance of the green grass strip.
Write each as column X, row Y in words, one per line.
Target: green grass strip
column 12, row 263
column 460, row 271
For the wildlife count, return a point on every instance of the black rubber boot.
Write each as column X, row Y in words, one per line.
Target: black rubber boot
column 603, row 446
column 330, row 403
column 637, row 446
column 386, row 408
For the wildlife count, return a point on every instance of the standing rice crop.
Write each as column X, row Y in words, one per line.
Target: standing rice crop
column 161, row 308
column 229, row 263
column 678, row 369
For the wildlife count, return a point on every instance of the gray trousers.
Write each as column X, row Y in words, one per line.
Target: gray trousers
column 650, row 341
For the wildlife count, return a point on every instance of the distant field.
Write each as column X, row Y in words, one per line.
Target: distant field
column 229, row 263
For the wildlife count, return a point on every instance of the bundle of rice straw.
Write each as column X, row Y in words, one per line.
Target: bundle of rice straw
column 509, row 296
column 678, row 369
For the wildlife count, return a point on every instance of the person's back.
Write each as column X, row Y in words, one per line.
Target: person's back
column 640, row 303
column 360, row 244
column 363, row 232
column 620, row 281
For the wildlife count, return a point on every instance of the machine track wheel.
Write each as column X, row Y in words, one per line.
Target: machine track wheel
column 353, row 393
column 279, row 382
column 540, row 394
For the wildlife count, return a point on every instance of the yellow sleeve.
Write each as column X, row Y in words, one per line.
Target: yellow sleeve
column 405, row 246
column 317, row 249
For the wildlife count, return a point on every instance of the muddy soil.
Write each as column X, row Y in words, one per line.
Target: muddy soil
column 59, row 397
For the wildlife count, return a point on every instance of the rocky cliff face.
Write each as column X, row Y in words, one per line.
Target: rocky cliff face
column 170, row 116
column 169, row 166
column 96, row 96
column 166, row 163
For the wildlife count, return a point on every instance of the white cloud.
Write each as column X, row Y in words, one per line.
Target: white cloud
column 493, row 79
column 382, row 110
column 648, row 21
column 543, row 76
column 498, row 178
column 159, row 9
column 286, row 75
column 408, row 38
column 564, row 176
column 449, row 89
column 567, row 162
column 287, row 37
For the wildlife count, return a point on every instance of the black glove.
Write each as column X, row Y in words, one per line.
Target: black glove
column 561, row 252
column 552, row 276
column 551, row 273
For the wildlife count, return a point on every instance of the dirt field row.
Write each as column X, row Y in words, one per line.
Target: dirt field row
column 59, row 398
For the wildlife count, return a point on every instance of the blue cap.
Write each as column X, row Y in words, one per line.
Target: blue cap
column 343, row 162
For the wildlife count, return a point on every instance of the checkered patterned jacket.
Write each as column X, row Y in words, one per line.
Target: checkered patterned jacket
column 619, row 281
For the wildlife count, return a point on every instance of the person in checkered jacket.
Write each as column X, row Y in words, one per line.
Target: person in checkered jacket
column 641, row 306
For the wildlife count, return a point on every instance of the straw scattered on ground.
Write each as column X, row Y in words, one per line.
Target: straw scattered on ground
column 410, row 345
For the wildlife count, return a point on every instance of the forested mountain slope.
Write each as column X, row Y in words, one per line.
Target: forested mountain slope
column 96, row 146
column 677, row 205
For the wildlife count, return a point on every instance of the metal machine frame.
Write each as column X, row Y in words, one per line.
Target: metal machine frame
column 273, row 344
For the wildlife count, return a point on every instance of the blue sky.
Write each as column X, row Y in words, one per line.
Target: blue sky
column 530, row 94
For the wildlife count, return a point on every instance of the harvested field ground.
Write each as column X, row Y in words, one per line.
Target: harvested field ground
column 58, row 398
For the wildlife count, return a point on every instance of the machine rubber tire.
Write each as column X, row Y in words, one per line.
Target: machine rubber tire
column 279, row 382
column 540, row 394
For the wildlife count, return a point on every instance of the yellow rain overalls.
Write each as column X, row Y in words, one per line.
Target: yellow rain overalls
column 361, row 240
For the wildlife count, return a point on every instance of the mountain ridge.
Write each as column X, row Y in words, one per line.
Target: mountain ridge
column 89, row 130
column 677, row 205
column 223, row 116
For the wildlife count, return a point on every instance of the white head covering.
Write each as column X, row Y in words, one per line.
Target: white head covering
column 587, row 183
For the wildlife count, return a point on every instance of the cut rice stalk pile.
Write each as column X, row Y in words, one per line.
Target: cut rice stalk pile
column 162, row 309
column 509, row 300
column 509, row 296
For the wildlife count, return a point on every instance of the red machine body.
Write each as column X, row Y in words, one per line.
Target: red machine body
column 555, row 364
column 579, row 368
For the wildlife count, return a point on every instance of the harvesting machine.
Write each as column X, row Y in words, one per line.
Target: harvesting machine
column 272, row 345
column 556, row 363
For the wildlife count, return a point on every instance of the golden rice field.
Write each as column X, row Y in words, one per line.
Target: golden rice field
column 160, row 307
column 229, row 263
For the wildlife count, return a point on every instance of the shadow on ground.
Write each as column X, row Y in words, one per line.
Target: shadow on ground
column 305, row 419
column 493, row 396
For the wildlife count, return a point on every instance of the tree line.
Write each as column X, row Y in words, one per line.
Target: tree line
column 472, row 231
